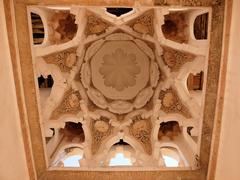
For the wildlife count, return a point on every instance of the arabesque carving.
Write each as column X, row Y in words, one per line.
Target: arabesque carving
column 101, row 129
column 123, row 74
column 65, row 60
column 144, row 23
column 172, row 104
column 95, row 25
column 175, row 59
column 69, row 105
column 119, row 69
column 119, row 62
column 140, row 129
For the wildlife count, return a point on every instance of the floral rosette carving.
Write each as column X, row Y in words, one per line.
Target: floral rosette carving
column 118, row 65
column 172, row 104
column 175, row 59
column 101, row 129
column 95, row 25
column 65, row 60
column 140, row 129
column 69, row 105
column 119, row 70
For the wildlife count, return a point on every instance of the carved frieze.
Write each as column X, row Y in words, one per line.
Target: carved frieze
column 175, row 59
column 69, row 105
column 185, row 2
column 65, row 60
column 140, row 129
column 172, row 104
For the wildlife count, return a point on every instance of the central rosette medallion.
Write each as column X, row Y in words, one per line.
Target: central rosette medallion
column 120, row 70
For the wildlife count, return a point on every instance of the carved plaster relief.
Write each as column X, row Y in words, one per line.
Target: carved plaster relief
column 101, row 129
column 141, row 130
column 117, row 72
column 174, row 59
column 144, row 23
column 69, row 105
column 172, row 104
column 95, row 25
column 65, row 60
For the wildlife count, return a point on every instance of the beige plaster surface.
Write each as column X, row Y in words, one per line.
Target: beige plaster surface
column 13, row 160
column 228, row 156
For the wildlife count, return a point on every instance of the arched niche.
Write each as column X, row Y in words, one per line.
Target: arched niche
column 45, row 85
column 68, row 135
column 200, row 28
column 73, row 132
column 118, row 11
column 45, row 82
column 195, row 81
column 63, row 26
column 175, row 27
column 38, row 31
column 173, row 150
column 121, row 154
column 106, row 146
column 171, row 157
column 69, row 156
column 169, row 129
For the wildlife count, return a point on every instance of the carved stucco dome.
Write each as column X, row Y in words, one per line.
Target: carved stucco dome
column 120, row 70
column 121, row 83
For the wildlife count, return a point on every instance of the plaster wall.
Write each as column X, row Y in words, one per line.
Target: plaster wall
column 229, row 157
column 12, row 157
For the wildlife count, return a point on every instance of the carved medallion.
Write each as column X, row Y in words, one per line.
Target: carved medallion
column 119, row 70
column 119, row 73
column 101, row 126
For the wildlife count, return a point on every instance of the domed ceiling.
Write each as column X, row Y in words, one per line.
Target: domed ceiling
column 136, row 80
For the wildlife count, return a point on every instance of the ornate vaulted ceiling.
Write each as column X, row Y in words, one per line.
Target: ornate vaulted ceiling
column 135, row 81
